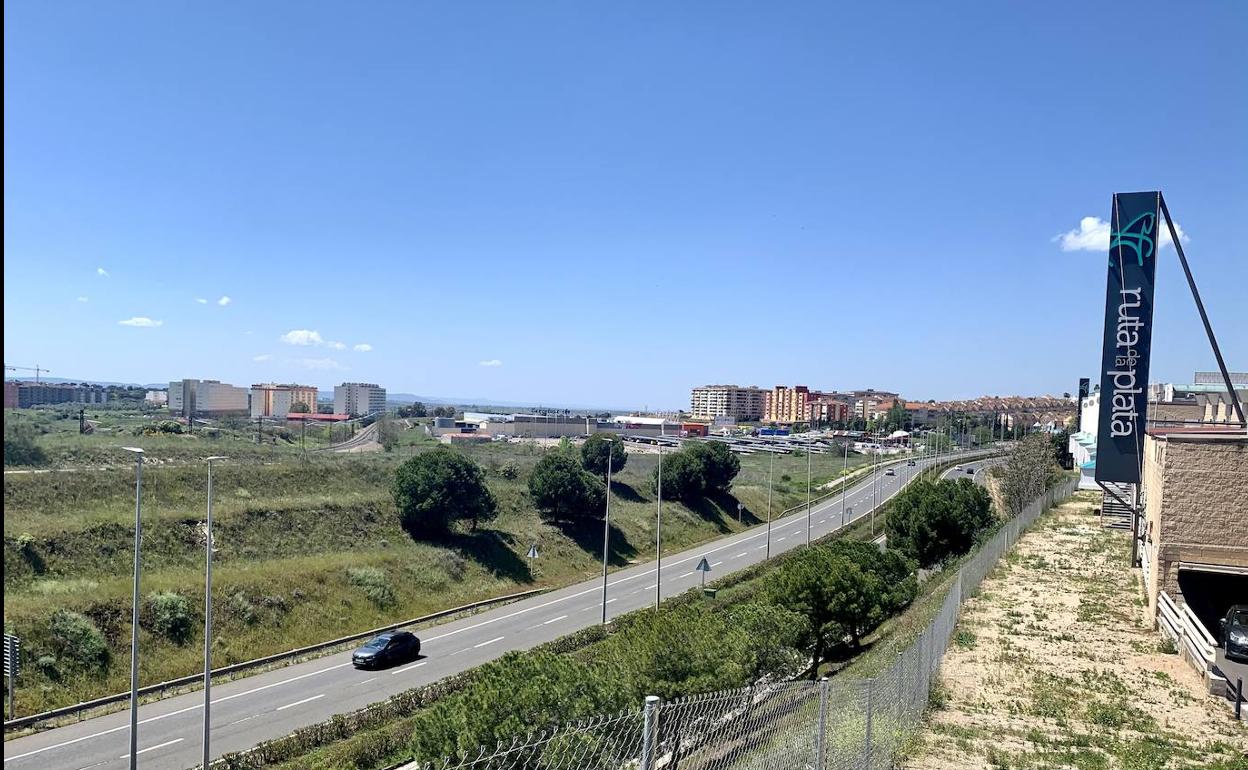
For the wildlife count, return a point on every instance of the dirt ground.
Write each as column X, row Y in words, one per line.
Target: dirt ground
column 1053, row 666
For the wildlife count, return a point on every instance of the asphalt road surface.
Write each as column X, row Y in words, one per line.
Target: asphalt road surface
column 275, row 703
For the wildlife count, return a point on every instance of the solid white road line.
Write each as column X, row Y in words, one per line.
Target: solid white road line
column 409, row 668
column 491, row 641
column 299, row 702
column 153, row 748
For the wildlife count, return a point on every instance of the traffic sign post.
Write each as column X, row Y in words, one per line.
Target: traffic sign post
column 532, row 555
column 704, row 568
column 12, row 664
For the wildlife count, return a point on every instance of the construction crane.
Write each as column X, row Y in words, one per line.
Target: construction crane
column 36, row 369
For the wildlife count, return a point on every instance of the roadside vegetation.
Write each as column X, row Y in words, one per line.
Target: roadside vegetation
column 314, row 547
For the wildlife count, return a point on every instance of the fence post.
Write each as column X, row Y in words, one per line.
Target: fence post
column 1239, row 695
column 650, row 728
column 901, row 680
column 866, row 747
column 822, row 734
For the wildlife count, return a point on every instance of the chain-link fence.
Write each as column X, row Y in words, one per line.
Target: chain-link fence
column 825, row 725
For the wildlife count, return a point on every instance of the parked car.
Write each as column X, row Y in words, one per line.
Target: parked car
column 1235, row 632
column 387, row 649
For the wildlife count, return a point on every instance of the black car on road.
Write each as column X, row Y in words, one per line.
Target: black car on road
column 1235, row 632
column 387, row 649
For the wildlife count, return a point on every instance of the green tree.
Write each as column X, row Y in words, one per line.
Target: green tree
column 597, row 448
column 931, row 521
column 299, row 407
column 1027, row 473
column 719, row 465
column 683, row 477
column 896, row 417
column 563, row 491
column 435, row 489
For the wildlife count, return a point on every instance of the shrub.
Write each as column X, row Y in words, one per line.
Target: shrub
column 509, row 470
column 682, row 477
column 597, row 448
column 562, row 491
column 78, row 643
column 435, row 489
column 19, row 444
column 169, row 615
column 719, row 465
column 374, row 583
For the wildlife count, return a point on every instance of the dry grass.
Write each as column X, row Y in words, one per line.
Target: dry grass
column 1053, row 665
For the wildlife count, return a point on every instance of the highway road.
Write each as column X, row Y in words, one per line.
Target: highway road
column 274, row 703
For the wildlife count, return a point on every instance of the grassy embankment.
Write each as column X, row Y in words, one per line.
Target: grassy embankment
column 293, row 536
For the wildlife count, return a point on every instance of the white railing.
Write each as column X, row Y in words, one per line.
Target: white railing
column 1181, row 624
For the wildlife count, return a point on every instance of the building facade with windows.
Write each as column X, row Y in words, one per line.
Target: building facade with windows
column 358, row 398
column 739, row 403
column 274, row 400
column 24, row 395
column 206, row 397
column 787, row 404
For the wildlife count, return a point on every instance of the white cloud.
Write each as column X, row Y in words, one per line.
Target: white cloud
column 261, row 357
column 363, row 347
column 201, row 300
column 491, row 362
column 223, row 301
column 302, row 337
column 83, row 299
column 141, row 321
column 337, row 345
column 1093, row 235
column 318, row 363
column 247, row 332
column 101, row 271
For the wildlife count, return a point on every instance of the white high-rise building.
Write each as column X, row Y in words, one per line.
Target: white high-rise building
column 187, row 397
column 359, row 398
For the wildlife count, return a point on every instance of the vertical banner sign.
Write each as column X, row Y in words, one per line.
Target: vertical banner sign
column 1133, row 245
column 1085, row 387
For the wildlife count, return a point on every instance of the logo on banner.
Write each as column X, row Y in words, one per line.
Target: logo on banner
column 1137, row 236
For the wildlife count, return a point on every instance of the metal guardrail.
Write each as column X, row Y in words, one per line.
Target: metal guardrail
column 1181, row 624
column 26, row 721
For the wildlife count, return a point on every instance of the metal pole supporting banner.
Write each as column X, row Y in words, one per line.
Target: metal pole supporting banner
column 134, row 615
column 770, row 474
column 808, row 456
column 650, row 727
column 1204, row 317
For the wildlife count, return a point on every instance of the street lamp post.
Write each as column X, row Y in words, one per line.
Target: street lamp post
column 208, row 611
column 658, row 533
column 808, row 453
column 606, row 538
column 844, row 480
column 134, row 614
column 770, row 474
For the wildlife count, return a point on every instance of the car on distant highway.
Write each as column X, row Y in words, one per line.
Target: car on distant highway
column 971, row 471
column 1235, row 632
column 889, row 472
column 386, row 650
column 910, row 463
column 957, row 467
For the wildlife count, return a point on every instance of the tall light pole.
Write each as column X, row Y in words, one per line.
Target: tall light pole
column 606, row 537
column 875, row 456
column 808, row 455
column 134, row 613
column 844, row 480
column 770, row 474
column 658, row 533
column 208, row 610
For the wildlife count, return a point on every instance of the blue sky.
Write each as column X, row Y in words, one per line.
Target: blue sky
column 612, row 202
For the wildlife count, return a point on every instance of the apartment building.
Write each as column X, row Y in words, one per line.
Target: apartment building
column 825, row 409
column 23, row 395
column 206, row 397
column 733, row 401
column 276, row 400
column 787, row 404
column 359, row 398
